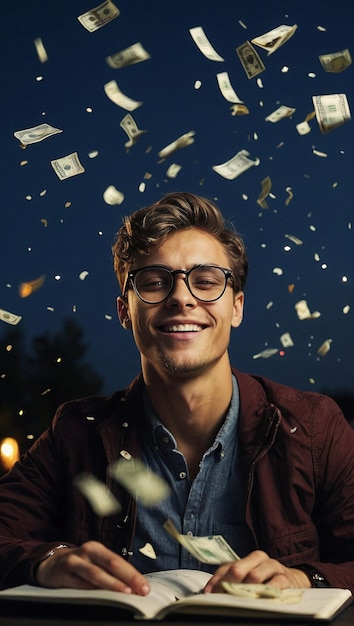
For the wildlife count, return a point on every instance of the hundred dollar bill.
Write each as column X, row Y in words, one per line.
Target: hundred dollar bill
column 40, row 49
column 180, row 142
column 29, row 287
column 337, row 61
column 251, row 61
column 332, row 110
column 67, row 166
column 112, row 196
column 10, row 318
column 273, row 39
column 303, row 128
column 280, row 113
column 36, row 133
column 235, row 166
column 134, row 54
column 229, row 94
column 213, row 550
column 139, row 480
column 266, row 187
column 101, row 499
column 113, row 92
column 99, row 16
column 200, row 39
column 129, row 125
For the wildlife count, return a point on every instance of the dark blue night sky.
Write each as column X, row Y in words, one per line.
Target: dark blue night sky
column 61, row 228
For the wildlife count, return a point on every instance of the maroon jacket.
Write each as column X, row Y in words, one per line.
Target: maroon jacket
column 298, row 464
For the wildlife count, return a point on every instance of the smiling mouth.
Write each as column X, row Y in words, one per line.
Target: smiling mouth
column 182, row 328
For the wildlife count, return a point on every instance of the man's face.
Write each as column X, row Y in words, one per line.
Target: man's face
column 202, row 336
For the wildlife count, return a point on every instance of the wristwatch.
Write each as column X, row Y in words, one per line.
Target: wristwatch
column 316, row 579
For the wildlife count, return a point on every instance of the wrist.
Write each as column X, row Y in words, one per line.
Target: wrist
column 47, row 556
column 315, row 577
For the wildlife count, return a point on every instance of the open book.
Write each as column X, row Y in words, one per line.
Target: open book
column 181, row 591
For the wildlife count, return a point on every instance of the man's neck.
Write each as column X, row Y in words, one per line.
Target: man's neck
column 192, row 406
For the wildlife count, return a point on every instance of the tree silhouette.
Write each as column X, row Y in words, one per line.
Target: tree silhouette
column 33, row 385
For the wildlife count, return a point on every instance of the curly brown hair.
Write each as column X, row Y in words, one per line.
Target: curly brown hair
column 147, row 228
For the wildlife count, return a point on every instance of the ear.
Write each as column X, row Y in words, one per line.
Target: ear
column 123, row 312
column 238, row 309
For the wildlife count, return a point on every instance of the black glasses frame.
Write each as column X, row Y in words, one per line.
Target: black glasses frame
column 132, row 278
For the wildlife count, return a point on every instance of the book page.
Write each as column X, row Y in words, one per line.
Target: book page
column 319, row 604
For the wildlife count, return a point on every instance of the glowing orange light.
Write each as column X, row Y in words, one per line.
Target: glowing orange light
column 9, row 452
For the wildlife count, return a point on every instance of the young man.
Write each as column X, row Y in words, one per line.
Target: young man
column 268, row 467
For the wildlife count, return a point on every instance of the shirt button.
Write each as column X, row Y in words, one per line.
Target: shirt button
column 165, row 439
column 189, row 533
column 182, row 475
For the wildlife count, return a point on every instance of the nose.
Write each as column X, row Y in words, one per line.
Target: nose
column 180, row 295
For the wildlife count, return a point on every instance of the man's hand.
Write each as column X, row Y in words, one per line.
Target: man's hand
column 257, row 567
column 91, row 566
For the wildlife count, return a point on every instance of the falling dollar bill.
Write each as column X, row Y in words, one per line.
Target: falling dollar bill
column 181, row 142
column 173, row 170
column 337, row 61
column 139, row 480
column 99, row 16
column 273, row 39
column 229, row 94
column 101, row 499
column 40, row 49
column 134, row 54
column 266, row 187
column 303, row 311
column 265, row 354
column 200, row 39
column 112, row 195
column 280, row 113
column 251, row 61
column 10, row 318
column 294, row 239
column 29, row 287
column 286, row 340
column 36, row 133
column 113, row 92
column 213, row 550
column 332, row 110
column 129, row 125
column 67, row 166
column 324, row 347
column 235, row 166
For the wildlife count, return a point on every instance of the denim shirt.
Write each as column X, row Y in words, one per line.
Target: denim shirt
column 213, row 504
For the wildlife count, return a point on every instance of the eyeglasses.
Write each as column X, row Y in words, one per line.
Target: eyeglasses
column 154, row 284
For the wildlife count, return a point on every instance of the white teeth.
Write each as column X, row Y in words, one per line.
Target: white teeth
column 183, row 328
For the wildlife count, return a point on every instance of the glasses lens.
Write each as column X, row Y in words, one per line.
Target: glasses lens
column 207, row 283
column 153, row 283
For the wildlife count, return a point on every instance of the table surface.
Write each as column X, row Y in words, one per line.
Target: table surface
column 63, row 615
